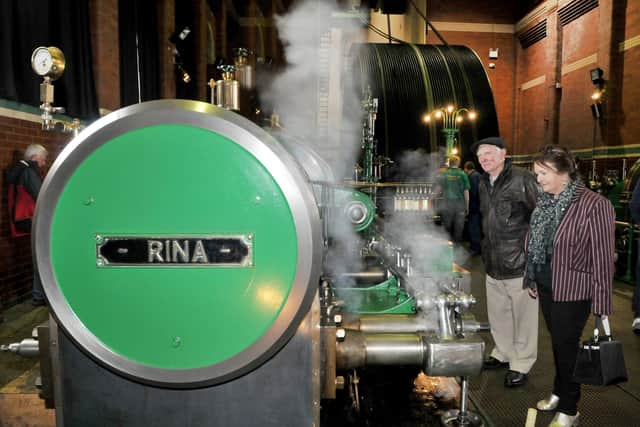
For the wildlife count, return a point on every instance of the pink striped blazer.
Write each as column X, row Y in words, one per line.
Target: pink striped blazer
column 583, row 252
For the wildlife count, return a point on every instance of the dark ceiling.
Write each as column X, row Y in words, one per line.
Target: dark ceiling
column 525, row 6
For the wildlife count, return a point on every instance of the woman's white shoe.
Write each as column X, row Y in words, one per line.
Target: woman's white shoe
column 564, row 420
column 548, row 404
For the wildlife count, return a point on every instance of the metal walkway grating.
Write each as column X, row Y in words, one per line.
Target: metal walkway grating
column 613, row 406
column 501, row 407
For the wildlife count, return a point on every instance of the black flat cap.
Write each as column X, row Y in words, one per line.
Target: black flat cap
column 492, row 140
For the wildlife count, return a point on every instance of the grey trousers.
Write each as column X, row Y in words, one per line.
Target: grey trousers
column 513, row 316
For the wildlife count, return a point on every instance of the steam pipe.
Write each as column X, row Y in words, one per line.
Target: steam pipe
column 462, row 355
column 444, row 318
column 389, row 323
column 367, row 275
column 404, row 323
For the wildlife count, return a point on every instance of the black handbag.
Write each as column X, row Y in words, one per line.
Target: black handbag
column 600, row 359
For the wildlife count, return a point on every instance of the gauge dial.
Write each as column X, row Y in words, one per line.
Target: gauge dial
column 41, row 61
column 48, row 61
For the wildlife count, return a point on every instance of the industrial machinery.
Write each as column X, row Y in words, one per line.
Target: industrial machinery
column 627, row 230
column 189, row 261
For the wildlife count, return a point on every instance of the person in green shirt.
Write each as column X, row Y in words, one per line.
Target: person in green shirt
column 453, row 185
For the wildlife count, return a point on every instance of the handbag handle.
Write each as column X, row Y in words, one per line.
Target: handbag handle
column 604, row 324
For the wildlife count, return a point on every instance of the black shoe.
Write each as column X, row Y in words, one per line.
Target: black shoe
column 38, row 302
column 493, row 363
column 515, row 379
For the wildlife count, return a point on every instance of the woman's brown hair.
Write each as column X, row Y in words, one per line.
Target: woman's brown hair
column 559, row 158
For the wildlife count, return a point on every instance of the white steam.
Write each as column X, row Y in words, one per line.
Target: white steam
column 317, row 38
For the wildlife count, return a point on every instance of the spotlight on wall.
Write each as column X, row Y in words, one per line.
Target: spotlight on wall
column 597, row 106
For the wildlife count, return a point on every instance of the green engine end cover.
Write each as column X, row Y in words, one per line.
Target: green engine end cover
column 165, row 318
column 357, row 207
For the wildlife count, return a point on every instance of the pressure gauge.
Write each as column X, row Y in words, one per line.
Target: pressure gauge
column 48, row 61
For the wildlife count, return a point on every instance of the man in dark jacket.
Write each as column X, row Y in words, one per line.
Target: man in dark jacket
column 25, row 180
column 507, row 198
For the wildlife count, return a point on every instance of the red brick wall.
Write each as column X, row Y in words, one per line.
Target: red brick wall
column 578, row 129
column 15, row 254
column 579, row 38
column 577, row 126
column 106, row 52
column 628, row 73
column 630, row 98
column 532, row 125
column 598, row 32
column 535, row 105
column 545, row 114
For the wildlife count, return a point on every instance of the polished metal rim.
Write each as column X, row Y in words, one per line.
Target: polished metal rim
column 282, row 167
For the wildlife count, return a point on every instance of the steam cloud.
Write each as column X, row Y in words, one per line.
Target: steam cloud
column 308, row 35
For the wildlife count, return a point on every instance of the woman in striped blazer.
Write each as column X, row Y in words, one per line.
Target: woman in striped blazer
column 570, row 267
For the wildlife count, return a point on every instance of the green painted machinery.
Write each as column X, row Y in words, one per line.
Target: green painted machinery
column 184, row 255
column 178, row 243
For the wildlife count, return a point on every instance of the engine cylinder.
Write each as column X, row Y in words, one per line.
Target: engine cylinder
column 178, row 243
column 359, row 349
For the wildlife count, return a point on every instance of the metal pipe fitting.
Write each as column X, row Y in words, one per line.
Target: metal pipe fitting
column 28, row 347
column 438, row 357
column 461, row 356
column 405, row 323
column 358, row 350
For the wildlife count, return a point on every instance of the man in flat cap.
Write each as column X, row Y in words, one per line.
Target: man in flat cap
column 507, row 197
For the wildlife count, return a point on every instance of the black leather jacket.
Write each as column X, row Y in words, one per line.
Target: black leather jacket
column 506, row 209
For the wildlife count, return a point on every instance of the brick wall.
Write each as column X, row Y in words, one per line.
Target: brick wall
column 543, row 112
column 605, row 37
column 535, row 86
column 590, row 41
column 627, row 72
column 106, row 52
column 578, row 128
column 15, row 254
